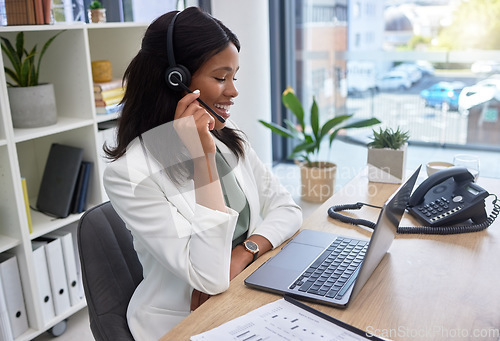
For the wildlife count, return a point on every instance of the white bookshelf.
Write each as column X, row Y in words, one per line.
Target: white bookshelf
column 23, row 152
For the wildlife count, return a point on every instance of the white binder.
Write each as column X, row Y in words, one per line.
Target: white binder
column 5, row 330
column 43, row 282
column 74, row 285
column 57, row 274
column 13, row 293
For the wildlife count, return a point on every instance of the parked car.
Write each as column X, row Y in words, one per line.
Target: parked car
column 443, row 92
column 425, row 67
column 411, row 69
column 394, row 80
column 485, row 67
column 478, row 93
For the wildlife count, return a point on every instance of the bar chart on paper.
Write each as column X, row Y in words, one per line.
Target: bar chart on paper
column 279, row 320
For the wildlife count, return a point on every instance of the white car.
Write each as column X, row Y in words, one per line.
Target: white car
column 413, row 72
column 478, row 93
column 394, row 80
column 485, row 67
column 425, row 67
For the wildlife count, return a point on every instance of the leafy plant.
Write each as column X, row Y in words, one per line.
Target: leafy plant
column 310, row 137
column 95, row 5
column 388, row 138
column 25, row 69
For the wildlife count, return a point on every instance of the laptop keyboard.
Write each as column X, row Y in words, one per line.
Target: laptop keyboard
column 335, row 270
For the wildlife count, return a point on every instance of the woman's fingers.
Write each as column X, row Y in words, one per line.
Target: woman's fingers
column 188, row 105
column 193, row 124
column 184, row 103
column 202, row 117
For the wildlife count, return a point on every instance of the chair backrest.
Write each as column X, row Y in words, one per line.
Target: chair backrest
column 110, row 271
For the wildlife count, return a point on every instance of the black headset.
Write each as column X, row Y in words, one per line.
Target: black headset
column 175, row 73
column 178, row 76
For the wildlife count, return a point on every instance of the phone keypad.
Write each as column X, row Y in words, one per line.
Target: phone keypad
column 436, row 207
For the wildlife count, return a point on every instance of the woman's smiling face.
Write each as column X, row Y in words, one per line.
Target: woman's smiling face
column 216, row 81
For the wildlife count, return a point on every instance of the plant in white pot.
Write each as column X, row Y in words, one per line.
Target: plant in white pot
column 317, row 176
column 32, row 104
column 96, row 12
column 387, row 155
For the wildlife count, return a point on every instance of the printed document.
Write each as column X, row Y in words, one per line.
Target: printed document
column 282, row 320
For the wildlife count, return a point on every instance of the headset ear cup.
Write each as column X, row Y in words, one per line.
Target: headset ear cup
column 176, row 73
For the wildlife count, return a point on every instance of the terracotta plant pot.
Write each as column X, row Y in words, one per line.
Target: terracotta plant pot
column 318, row 181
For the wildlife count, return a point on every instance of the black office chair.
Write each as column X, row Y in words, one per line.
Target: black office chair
column 110, row 270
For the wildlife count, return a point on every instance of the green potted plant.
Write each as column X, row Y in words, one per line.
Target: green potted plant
column 317, row 176
column 387, row 155
column 96, row 12
column 32, row 104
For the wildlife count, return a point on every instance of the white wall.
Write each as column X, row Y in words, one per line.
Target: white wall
column 148, row 10
column 249, row 20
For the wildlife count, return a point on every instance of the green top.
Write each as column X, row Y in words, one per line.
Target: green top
column 234, row 198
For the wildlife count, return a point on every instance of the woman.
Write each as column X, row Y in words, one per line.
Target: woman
column 200, row 204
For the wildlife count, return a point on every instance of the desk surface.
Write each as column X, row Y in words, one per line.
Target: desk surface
column 427, row 286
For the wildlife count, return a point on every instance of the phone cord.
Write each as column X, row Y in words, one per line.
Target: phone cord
column 333, row 213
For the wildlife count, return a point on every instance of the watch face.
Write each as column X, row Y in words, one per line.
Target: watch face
column 251, row 246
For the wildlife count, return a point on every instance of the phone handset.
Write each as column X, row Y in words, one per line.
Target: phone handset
column 459, row 174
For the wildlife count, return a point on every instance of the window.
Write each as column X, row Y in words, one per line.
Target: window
column 355, row 64
column 314, row 34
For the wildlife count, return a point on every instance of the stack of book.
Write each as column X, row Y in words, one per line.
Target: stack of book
column 28, row 12
column 108, row 96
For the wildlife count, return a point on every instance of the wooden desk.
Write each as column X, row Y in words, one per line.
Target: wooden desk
column 427, row 287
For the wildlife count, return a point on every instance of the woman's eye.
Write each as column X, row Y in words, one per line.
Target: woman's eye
column 222, row 80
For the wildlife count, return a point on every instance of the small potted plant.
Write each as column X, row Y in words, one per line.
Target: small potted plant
column 317, row 176
column 96, row 13
column 387, row 155
column 32, row 104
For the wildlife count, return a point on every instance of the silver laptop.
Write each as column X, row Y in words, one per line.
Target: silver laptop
column 331, row 269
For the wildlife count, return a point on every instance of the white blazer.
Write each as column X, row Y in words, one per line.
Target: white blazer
column 182, row 245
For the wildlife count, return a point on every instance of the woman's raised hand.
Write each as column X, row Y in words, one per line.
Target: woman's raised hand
column 193, row 125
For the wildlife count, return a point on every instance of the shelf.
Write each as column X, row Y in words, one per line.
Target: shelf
column 72, row 26
column 105, row 118
column 24, row 152
column 63, row 124
column 32, row 333
column 117, row 25
column 38, row 28
column 43, row 224
column 7, row 243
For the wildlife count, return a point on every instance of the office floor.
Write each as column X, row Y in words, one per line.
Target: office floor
column 350, row 159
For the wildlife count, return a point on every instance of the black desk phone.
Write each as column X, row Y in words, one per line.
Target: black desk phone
column 445, row 198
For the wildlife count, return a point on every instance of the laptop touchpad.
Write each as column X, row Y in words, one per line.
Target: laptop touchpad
column 295, row 256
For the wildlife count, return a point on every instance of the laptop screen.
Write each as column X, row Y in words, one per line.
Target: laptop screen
column 386, row 229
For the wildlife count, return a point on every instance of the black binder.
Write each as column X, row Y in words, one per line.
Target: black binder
column 59, row 180
column 79, row 201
